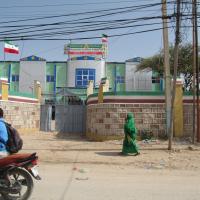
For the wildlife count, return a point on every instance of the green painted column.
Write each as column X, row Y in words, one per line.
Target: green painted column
column 110, row 75
column 115, row 72
column 120, row 73
column 155, row 82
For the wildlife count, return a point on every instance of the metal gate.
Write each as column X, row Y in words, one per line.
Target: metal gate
column 45, row 117
column 70, row 119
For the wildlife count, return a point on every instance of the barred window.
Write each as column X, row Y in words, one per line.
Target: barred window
column 83, row 76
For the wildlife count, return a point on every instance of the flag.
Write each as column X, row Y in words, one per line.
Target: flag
column 10, row 48
column 104, row 38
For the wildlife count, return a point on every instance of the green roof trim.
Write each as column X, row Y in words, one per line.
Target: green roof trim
column 85, row 46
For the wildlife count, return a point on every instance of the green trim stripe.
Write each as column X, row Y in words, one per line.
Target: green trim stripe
column 77, row 46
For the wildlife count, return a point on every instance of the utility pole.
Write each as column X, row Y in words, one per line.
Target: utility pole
column 167, row 76
column 176, row 49
column 197, row 66
column 194, row 73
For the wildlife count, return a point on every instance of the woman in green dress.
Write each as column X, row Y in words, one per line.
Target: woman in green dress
column 130, row 131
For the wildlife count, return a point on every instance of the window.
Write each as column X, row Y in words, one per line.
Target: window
column 50, row 78
column 83, row 76
column 15, row 78
column 119, row 79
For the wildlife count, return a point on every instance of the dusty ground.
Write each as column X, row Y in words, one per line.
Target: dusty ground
column 154, row 154
column 76, row 169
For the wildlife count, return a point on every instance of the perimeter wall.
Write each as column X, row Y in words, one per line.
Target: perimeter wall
column 105, row 120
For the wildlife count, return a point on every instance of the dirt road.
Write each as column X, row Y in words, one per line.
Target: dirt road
column 99, row 182
column 74, row 168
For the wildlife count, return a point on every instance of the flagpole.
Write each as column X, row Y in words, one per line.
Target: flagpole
column 104, row 42
column 4, row 59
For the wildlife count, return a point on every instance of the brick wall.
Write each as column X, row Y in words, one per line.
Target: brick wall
column 105, row 121
column 24, row 116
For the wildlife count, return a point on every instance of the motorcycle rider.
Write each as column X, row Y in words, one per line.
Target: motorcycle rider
column 3, row 136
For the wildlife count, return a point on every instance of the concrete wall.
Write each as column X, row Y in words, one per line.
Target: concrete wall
column 30, row 71
column 23, row 116
column 99, row 66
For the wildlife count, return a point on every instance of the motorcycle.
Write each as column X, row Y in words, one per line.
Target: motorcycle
column 16, row 172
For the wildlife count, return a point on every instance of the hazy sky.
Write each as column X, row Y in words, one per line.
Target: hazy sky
column 121, row 48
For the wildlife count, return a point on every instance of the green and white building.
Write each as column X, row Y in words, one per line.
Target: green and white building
column 85, row 62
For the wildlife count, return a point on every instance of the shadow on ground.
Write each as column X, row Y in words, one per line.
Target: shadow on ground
column 109, row 153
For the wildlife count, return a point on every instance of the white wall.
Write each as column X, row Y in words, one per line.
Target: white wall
column 30, row 71
column 99, row 67
column 137, row 80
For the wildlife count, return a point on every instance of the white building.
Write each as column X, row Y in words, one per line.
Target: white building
column 86, row 62
column 137, row 80
column 31, row 70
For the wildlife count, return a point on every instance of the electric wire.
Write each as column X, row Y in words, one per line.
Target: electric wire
column 42, row 33
column 142, row 6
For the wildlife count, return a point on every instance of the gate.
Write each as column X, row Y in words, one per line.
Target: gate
column 70, row 119
column 45, row 117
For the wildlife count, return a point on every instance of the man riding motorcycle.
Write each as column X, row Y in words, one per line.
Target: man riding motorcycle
column 16, row 170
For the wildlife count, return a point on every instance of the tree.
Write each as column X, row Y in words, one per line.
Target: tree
column 184, row 67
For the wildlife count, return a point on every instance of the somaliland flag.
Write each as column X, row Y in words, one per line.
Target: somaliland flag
column 10, row 48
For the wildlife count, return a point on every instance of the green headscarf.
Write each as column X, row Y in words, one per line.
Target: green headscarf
column 130, row 123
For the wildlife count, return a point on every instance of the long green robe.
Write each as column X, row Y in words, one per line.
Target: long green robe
column 130, row 131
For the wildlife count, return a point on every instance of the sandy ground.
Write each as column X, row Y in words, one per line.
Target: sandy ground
column 52, row 148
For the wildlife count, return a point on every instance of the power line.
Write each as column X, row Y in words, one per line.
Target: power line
column 142, row 6
column 84, row 38
column 99, row 25
column 80, row 29
column 87, row 24
column 97, row 16
column 91, row 38
column 39, row 14
column 69, row 4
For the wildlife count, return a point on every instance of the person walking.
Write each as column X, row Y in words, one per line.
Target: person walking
column 3, row 136
column 130, row 131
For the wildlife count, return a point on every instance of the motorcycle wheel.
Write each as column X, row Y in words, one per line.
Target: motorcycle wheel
column 23, row 179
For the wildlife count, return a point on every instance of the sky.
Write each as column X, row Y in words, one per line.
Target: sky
column 120, row 48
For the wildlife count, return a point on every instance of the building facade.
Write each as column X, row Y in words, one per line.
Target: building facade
column 56, row 76
column 85, row 62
